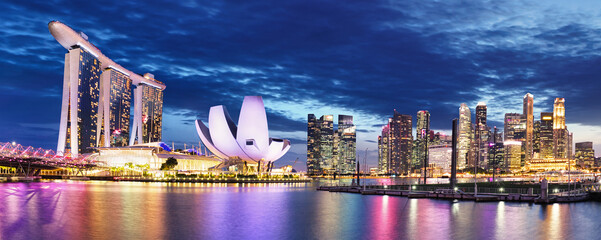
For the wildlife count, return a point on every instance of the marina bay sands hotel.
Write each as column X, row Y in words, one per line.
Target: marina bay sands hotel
column 97, row 96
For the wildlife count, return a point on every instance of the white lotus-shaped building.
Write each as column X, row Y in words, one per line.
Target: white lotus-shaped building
column 248, row 141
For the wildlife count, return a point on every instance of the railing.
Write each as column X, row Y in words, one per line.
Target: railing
column 498, row 190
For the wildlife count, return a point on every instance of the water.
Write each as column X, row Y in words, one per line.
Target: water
column 122, row 210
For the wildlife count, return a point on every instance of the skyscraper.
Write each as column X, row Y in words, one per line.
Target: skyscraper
column 513, row 155
column 330, row 150
column 585, row 154
column 529, row 115
column 346, row 149
column 482, row 135
column 150, row 107
column 383, row 150
column 400, row 143
column 326, row 143
column 536, row 140
column 313, row 154
column 464, row 138
column 546, row 135
column 81, row 95
column 421, row 139
column 515, row 127
column 560, row 132
column 115, row 90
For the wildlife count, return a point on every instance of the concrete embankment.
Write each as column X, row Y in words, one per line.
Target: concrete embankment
column 480, row 197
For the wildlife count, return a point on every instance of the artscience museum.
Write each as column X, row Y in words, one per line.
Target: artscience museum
column 245, row 143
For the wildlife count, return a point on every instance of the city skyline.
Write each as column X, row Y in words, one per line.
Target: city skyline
column 372, row 58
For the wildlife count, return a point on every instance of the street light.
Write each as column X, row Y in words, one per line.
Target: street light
column 14, row 143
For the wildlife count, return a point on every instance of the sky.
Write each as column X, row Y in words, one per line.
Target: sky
column 360, row 58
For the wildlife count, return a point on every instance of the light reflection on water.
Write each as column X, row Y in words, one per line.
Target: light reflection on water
column 128, row 210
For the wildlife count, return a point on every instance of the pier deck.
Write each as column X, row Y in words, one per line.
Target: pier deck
column 480, row 197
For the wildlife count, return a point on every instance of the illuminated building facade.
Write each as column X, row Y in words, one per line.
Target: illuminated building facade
column 246, row 142
column 383, row 150
column 553, row 164
column 515, row 127
column 536, row 140
column 330, row 150
column 439, row 156
column 115, row 90
column 345, row 147
column 585, row 154
column 78, row 132
column 560, row 132
column 421, row 139
column 152, row 114
column 313, row 154
column 97, row 96
column 465, row 136
column 401, row 143
column 529, row 117
column 326, row 144
column 546, row 135
column 513, row 155
column 482, row 134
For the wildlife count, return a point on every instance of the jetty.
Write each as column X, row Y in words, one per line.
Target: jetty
column 534, row 194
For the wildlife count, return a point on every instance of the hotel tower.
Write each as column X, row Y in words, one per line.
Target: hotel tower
column 97, row 97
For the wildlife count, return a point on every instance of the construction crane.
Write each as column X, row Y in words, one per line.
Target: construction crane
column 294, row 163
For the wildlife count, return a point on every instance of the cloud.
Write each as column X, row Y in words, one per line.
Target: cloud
column 362, row 59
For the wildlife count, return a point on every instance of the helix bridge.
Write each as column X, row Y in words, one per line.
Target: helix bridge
column 30, row 161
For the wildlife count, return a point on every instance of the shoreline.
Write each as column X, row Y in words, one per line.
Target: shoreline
column 155, row 179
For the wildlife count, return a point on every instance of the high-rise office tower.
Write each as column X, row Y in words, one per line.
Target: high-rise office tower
column 346, row 148
column 546, row 135
column 513, row 155
column 313, row 154
column 400, row 143
column 115, row 103
column 81, row 95
column 464, row 136
column 421, row 139
column 529, row 115
column 330, row 150
column 481, row 135
column 560, row 132
column 320, row 144
column 383, row 150
column 585, row 154
column 570, row 145
column 536, row 140
column 515, row 127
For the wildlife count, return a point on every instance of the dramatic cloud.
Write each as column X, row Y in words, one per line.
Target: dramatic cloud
column 323, row 57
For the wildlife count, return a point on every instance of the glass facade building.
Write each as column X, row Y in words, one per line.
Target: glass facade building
column 528, row 114
column 401, row 143
column 152, row 114
column 464, row 142
column 546, row 135
column 331, row 151
column 560, row 132
column 422, row 137
column 81, row 95
column 346, row 149
column 482, row 134
column 115, row 104
column 585, row 154
column 97, row 96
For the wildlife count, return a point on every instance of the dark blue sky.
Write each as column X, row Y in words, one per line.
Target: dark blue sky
column 363, row 58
